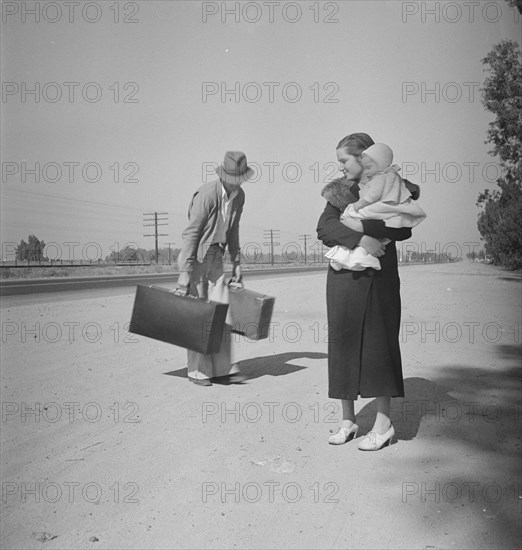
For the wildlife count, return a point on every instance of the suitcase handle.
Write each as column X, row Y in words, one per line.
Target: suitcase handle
column 183, row 292
column 180, row 291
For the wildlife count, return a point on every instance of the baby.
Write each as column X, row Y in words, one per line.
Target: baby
column 382, row 196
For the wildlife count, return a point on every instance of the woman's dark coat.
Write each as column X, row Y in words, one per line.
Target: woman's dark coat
column 364, row 307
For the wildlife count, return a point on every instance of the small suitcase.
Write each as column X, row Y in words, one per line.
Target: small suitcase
column 250, row 312
column 184, row 321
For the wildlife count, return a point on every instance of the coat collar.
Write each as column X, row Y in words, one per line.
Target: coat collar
column 340, row 192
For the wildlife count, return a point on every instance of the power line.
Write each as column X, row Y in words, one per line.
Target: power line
column 82, row 201
column 271, row 233
column 97, row 203
column 169, row 249
column 305, row 237
column 156, row 224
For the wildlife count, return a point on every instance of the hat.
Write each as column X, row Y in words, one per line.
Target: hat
column 234, row 169
column 381, row 154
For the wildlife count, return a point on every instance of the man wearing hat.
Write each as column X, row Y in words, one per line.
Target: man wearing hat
column 214, row 214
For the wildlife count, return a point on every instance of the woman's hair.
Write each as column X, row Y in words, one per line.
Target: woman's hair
column 355, row 144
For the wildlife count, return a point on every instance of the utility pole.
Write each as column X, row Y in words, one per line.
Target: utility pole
column 305, row 237
column 271, row 233
column 155, row 219
column 169, row 250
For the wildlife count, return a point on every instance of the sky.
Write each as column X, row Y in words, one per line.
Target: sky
column 112, row 110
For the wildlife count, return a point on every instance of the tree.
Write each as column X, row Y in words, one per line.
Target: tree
column 516, row 4
column 21, row 251
column 500, row 221
column 35, row 249
column 502, row 95
column 31, row 251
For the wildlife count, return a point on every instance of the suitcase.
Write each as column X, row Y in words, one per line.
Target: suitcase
column 249, row 312
column 185, row 321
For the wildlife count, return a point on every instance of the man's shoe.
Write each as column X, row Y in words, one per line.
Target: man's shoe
column 200, row 381
column 236, row 378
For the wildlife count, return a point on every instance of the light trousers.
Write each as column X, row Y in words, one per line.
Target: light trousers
column 206, row 279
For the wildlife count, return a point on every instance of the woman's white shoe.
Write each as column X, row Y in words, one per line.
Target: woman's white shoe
column 374, row 441
column 344, row 435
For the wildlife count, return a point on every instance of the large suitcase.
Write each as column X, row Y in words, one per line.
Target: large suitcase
column 250, row 312
column 186, row 321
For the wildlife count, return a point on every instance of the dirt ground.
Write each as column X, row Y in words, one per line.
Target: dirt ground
column 105, row 444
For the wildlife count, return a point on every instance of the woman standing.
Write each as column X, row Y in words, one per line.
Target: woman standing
column 364, row 307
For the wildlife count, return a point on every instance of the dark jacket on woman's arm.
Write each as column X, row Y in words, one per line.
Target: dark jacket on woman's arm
column 331, row 231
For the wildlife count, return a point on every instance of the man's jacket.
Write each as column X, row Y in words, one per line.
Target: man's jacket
column 203, row 220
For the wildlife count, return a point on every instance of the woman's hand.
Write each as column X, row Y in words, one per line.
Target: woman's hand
column 357, row 205
column 375, row 247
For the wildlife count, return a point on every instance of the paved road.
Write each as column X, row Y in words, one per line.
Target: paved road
column 63, row 293
column 54, row 284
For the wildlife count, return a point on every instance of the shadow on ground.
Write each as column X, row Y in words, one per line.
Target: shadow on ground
column 268, row 365
column 493, row 402
column 482, row 425
column 516, row 278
